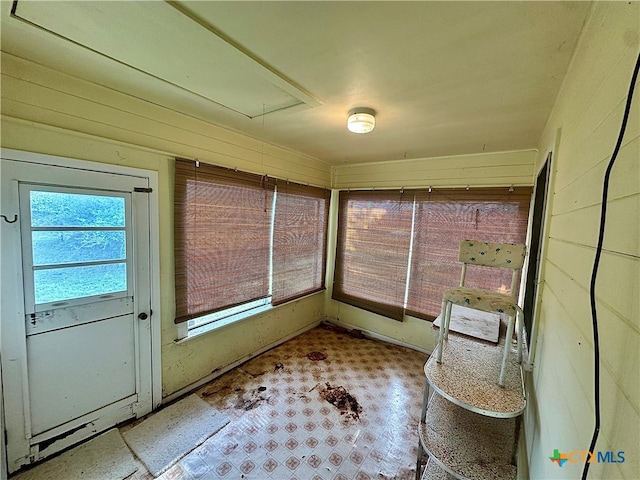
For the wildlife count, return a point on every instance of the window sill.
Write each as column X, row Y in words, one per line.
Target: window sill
column 186, row 335
column 220, row 324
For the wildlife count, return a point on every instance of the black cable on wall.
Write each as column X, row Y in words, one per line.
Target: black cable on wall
column 596, row 263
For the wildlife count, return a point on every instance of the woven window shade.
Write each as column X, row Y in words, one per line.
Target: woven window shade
column 443, row 218
column 374, row 231
column 299, row 240
column 222, row 230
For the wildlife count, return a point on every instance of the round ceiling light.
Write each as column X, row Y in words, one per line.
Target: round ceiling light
column 361, row 120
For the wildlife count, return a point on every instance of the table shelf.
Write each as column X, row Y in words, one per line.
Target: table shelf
column 465, row 444
column 469, row 424
column 468, row 377
column 432, row 471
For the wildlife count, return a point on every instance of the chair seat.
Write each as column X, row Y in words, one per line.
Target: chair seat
column 484, row 300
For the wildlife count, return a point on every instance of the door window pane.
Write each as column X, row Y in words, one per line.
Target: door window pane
column 56, row 209
column 78, row 244
column 55, row 247
column 57, row 284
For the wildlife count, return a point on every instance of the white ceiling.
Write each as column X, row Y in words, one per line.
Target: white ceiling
column 445, row 78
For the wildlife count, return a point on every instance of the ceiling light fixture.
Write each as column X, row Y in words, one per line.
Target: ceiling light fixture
column 361, row 120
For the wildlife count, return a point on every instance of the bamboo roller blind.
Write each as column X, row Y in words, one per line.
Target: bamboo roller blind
column 375, row 245
column 222, row 230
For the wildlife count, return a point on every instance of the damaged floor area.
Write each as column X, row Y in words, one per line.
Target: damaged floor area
column 327, row 404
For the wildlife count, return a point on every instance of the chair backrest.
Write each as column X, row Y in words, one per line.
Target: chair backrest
column 503, row 255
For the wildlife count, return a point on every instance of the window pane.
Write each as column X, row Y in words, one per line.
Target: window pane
column 222, row 238
column 78, row 246
column 372, row 254
column 444, row 218
column 299, row 241
column 56, row 284
column 214, row 317
column 54, row 209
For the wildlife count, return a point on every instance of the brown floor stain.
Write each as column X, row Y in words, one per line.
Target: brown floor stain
column 316, row 356
column 250, row 400
column 338, row 396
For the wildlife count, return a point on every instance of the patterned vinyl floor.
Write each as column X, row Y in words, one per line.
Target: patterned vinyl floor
column 324, row 405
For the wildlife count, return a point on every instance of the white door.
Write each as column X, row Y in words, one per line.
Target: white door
column 76, row 305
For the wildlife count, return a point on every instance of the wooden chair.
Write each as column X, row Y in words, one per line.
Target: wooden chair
column 500, row 255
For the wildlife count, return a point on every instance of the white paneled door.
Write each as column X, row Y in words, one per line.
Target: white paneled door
column 76, row 305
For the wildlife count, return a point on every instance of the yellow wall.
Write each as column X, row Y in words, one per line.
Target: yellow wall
column 49, row 112
column 478, row 170
column 45, row 111
column 481, row 170
column 588, row 112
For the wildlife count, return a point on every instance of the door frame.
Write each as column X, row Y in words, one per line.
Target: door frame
column 8, row 364
column 537, row 240
column 550, row 162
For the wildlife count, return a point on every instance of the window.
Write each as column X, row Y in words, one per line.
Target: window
column 444, row 218
column 222, row 222
column 244, row 241
column 397, row 251
column 78, row 246
column 374, row 232
column 299, row 240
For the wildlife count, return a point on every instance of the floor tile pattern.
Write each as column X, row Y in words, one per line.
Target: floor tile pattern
column 283, row 429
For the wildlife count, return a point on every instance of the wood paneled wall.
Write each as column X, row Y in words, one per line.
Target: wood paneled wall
column 480, row 170
column 39, row 94
column 588, row 115
column 46, row 111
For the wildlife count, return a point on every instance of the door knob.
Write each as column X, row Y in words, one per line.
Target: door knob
column 143, row 316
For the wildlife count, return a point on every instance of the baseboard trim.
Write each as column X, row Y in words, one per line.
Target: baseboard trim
column 222, row 370
column 375, row 335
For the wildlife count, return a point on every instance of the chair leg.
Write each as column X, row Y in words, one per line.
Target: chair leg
column 507, row 348
column 448, row 317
